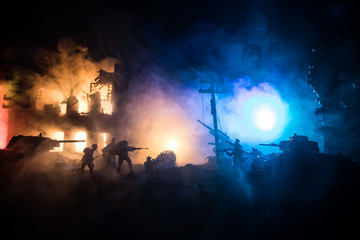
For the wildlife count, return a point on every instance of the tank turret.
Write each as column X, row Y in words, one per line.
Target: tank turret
column 31, row 144
column 296, row 143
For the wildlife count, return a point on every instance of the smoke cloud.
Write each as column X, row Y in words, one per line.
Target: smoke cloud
column 68, row 72
column 162, row 114
column 163, row 100
column 253, row 60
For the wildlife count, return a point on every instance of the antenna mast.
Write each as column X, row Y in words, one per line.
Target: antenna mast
column 213, row 90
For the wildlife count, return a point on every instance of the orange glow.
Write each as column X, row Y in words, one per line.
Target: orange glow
column 172, row 145
column 104, row 138
column 174, row 139
column 105, row 101
column 163, row 124
column 58, row 136
column 39, row 104
column 3, row 118
column 79, row 147
column 55, row 96
column 104, row 135
column 63, row 109
column 83, row 103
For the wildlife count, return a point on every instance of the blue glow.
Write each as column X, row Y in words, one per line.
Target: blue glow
column 264, row 118
column 256, row 115
column 264, row 115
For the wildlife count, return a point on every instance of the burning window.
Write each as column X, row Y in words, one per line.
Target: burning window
column 79, row 147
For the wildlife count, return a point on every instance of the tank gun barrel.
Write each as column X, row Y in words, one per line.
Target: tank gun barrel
column 225, row 150
column 270, row 144
column 69, row 141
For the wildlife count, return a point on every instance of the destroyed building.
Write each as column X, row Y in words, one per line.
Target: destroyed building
column 37, row 102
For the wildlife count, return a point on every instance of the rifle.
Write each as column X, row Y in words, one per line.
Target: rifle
column 135, row 148
column 92, row 159
column 225, row 150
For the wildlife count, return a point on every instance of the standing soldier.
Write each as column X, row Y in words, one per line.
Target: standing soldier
column 123, row 152
column 238, row 159
column 88, row 158
column 109, row 154
column 257, row 164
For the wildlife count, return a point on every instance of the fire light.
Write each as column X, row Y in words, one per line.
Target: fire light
column 172, row 145
column 106, row 104
column 104, row 138
column 58, row 136
column 3, row 120
column 63, row 109
column 83, row 104
column 79, row 147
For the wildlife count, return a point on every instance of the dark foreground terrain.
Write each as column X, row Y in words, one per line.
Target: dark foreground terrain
column 315, row 198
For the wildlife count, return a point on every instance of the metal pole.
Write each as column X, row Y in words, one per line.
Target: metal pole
column 213, row 112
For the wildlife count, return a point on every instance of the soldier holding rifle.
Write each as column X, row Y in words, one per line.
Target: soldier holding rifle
column 123, row 149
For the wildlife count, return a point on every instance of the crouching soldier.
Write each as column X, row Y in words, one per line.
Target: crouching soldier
column 88, row 158
column 151, row 167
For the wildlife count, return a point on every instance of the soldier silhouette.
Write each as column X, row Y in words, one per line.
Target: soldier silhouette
column 109, row 154
column 88, row 158
column 123, row 154
column 151, row 167
column 238, row 159
column 257, row 163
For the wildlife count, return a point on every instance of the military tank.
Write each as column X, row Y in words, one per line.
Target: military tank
column 300, row 157
column 21, row 146
column 296, row 143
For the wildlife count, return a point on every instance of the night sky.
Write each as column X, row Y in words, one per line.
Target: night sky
column 312, row 22
column 128, row 29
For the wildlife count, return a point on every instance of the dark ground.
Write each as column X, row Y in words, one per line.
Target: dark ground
column 318, row 200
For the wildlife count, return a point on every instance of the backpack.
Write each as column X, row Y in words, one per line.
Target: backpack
column 87, row 150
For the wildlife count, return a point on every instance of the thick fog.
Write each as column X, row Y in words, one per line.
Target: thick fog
column 164, row 102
